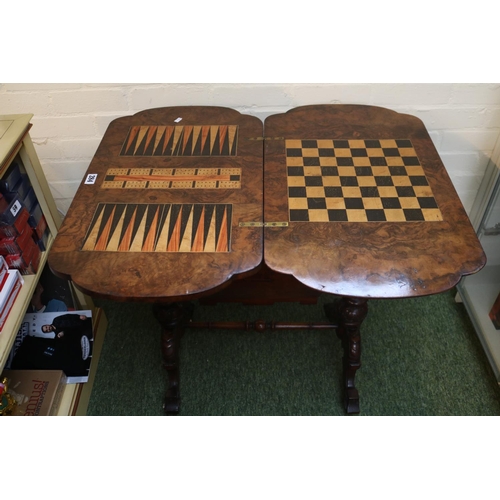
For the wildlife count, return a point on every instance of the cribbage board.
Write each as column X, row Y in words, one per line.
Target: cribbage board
column 175, row 227
column 172, row 178
column 181, row 140
column 357, row 180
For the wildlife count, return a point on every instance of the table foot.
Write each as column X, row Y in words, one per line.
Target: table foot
column 349, row 313
column 172, row 405
column 351, row 402
column 172, row 318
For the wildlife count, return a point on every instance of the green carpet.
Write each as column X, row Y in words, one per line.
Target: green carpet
column 419, row 357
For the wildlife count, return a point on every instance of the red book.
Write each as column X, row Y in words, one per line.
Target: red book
column 495, row 313
column 8, row 295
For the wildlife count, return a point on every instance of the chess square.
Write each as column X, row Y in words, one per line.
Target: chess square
column 297, row 192
column 351, row 192
column 395, row 161
column 395, row 215
column 375, row 215
column 331, row 181
column 311, row 161
column 299, row 215
column 406, row 192
column 350, row 180
column 316, row 203
column 361, row 161
column 381, row 171
column 329, row 171
column 327, row 161
column 295, row 171
column 335, row 203
column 337, row 215
column 413, row 214
column 316, row 192
column 409, row 203
column 297, row 203
column 294, row 144
column 333, row 192
column 310, row 152
column 318, row 215
column 312, row 171
column 296, row 181
column 384, row 180
column 354, row 203
column 314, row 180
column 373, row 203
column 367, row 181
column 369, row 192
column 391, row 203
column 356, row 215
column 363, row 171
column 325, row 144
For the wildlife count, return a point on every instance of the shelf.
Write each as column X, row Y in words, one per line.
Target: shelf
column 13, row 323
column 478, row 297
column 479, row 292
column 15, row 143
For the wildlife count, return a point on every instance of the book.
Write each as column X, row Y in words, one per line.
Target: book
column 495, row 313
column 4, row 270
column 55, row 341
column 36, row 392
column 8, row 294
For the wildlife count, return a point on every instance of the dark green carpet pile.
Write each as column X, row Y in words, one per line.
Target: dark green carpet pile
column 419, row 357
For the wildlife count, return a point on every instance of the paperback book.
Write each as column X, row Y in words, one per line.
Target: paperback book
column 55, row 341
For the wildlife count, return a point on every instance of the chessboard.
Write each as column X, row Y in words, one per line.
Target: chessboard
column 357, row 180
column 171, row 227
column 181, row 140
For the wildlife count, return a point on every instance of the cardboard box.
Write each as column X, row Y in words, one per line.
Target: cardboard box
column 37, row 392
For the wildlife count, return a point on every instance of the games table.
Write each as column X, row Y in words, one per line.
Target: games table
column 205, row 203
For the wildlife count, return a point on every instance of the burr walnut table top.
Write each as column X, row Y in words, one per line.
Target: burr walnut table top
column 159, row 216
column 371, row 209
column 350, row 200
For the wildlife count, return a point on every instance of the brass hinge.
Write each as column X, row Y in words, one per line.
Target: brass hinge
column 263, row 224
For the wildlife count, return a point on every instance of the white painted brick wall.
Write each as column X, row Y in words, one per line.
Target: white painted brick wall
column 70, row 119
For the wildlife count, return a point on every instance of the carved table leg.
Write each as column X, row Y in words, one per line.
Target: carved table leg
column 172, row 318
column 350, row 313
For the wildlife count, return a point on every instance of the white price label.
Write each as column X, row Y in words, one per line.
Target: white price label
column 14, row 210
column 91, row 178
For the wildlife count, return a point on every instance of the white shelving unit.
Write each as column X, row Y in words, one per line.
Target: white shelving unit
column 15, row 141
column 479, row 291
